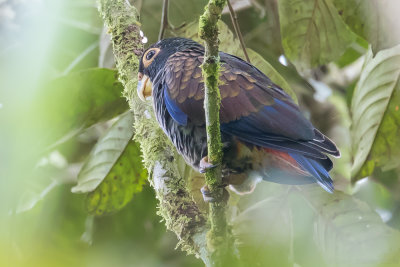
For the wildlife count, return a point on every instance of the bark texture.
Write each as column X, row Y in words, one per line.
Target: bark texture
column 176, row 206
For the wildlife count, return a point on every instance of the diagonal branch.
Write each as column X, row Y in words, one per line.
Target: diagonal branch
column 176, row 205
column 165, row 24
column 164, row 20
column 235, row 23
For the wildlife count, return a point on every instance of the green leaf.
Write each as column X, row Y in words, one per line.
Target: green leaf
column 349, row 233
column 125, row 179
column 376, row 116
column 260, row 27
column 371, row 20
column 279, row 225
column 312, row 32
column 180, row 11
column 106, row 55
column 113, row 173
column 76, row 29
column 229, row 44
column 354, row 52
column 30, row 198
column 263, row 229
column 268, row 70
column 357, row 14
column 79, row 100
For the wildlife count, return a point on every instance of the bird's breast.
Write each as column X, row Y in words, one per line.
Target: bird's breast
column 190, row 140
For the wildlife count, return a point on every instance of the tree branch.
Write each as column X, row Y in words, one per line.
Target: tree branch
column 176, row 206
column 164, row 20
column 220, row 241
column 235, row 23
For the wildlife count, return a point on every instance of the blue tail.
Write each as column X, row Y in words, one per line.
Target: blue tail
column 317, row 168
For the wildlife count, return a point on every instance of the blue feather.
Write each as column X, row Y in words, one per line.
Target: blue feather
column 285, row 105
column 254, row 128
column 316, row 170
column 176, row 113
column 271, row 110
column 281, row 118
column 247, row 130
column 282, row 177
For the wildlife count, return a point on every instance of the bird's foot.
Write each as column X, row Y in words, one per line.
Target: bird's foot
column 209, row 196
column 205, row 165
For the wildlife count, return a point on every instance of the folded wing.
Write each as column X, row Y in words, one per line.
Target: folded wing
column 253, row 109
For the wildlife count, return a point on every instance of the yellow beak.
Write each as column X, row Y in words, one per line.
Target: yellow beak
column 144, row 87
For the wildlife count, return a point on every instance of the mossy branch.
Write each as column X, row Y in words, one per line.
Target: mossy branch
column 176, row 206
column 220, row 241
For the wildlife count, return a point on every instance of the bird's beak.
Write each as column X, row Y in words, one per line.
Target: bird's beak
column 144, row 87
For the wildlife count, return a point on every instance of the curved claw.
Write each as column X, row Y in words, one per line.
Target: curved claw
column 210, row 197
column 207, row 196
column 205, row 165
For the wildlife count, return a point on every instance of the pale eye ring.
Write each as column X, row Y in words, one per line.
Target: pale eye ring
column 149, row 56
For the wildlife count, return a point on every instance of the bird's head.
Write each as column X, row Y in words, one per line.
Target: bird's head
column 153, row 61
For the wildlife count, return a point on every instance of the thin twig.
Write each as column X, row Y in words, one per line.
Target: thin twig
column 139, row 5
column 164, row 20
column 259, row 7
column 81, row 56
column 235, row 23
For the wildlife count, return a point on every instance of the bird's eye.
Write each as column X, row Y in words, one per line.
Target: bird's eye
column 149, row 56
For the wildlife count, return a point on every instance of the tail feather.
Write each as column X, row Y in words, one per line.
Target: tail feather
column 325, row 144
column 316, row 168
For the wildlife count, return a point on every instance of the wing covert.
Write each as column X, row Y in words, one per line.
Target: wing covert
column 252, row 107
column 241, row 93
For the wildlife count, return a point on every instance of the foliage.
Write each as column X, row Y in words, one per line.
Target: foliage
column 65, row 126
column 312, row 32
column 96, row 93
column 376, row 120
column 304, row 221
column 113, row 172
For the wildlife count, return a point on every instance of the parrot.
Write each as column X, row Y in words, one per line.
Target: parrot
column 264, row 135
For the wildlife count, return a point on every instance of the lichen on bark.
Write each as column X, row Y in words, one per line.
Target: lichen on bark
column 219, row 239
column 176, row 206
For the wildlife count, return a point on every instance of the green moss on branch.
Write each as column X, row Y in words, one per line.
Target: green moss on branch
column 220, row 241
column 176, row 206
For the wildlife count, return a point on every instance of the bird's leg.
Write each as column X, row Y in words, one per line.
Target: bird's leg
column 233, row 179
column 205, row 165
column 207, row 195
column 210, row 197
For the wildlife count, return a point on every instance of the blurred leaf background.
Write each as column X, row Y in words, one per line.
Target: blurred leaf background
column 64, row 127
